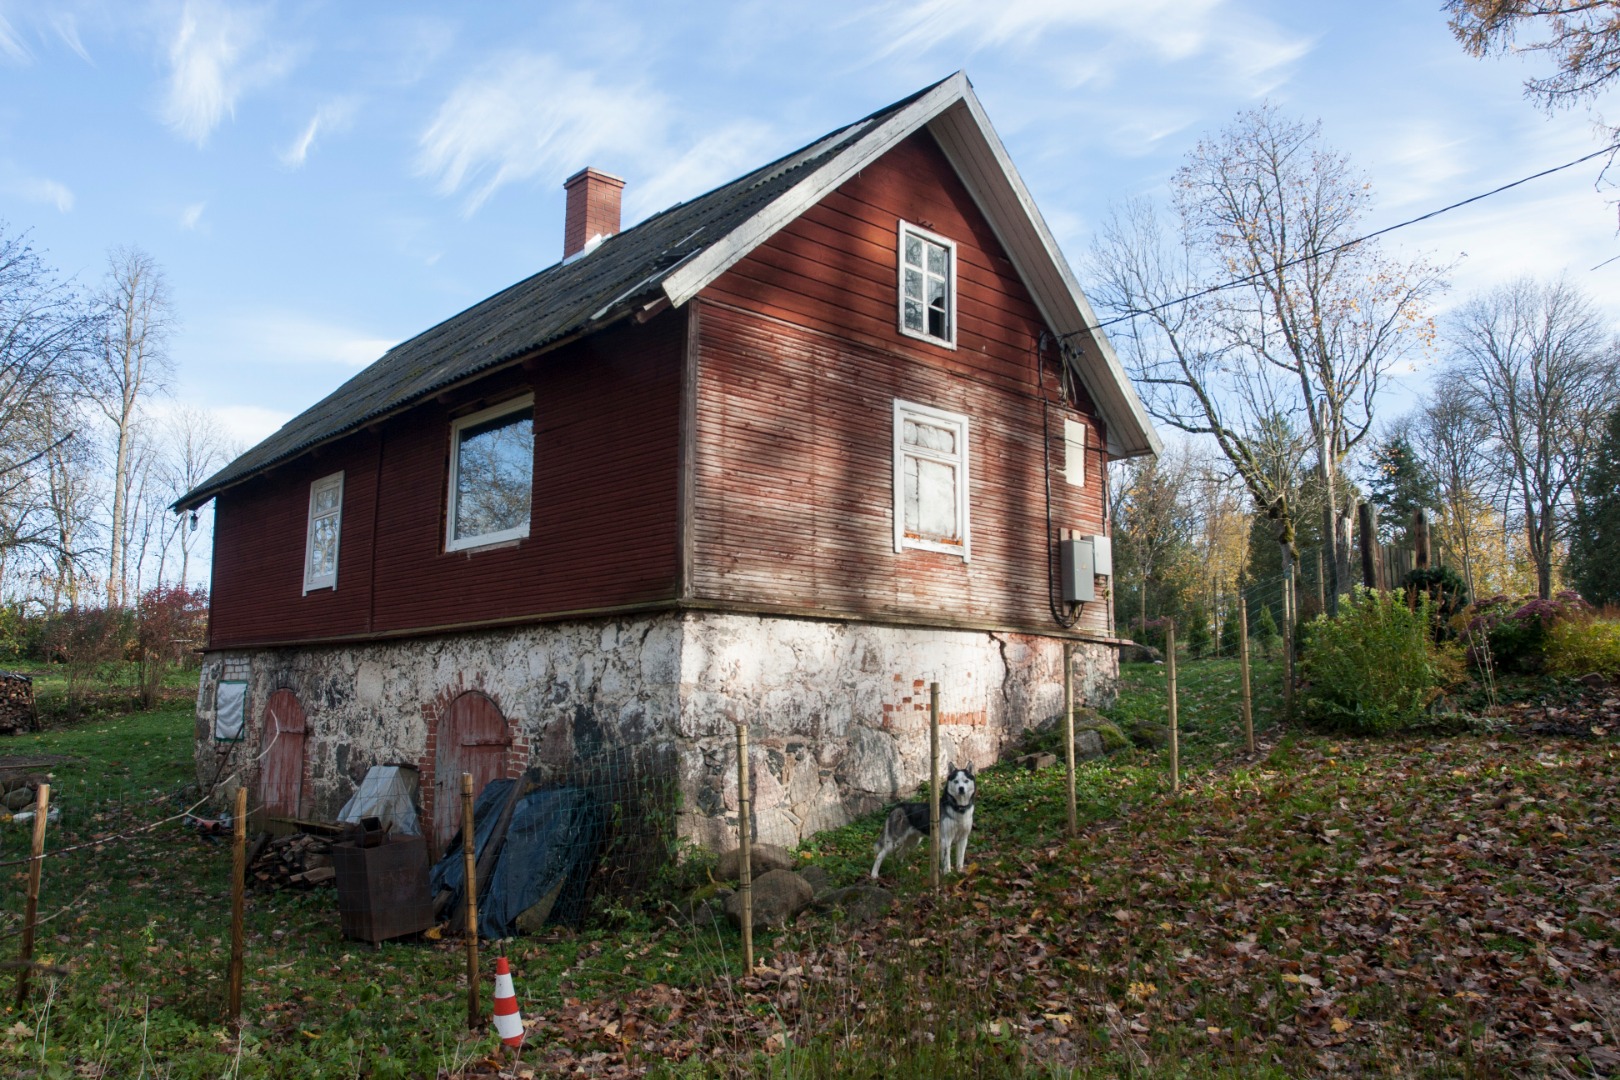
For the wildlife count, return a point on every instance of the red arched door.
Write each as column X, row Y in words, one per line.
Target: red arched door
column 281, row 779
column 472, row 739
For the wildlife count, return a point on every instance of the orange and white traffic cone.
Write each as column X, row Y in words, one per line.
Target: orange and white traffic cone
column 508, row 1024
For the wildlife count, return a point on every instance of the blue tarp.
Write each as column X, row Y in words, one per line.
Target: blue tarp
column 554, row 838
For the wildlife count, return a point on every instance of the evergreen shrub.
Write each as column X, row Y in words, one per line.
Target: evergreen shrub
column 1370, row 670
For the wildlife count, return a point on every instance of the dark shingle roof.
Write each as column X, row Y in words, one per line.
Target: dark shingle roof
column 578, row 295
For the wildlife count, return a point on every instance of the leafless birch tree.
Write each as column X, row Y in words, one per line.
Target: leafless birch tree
column 132, row 362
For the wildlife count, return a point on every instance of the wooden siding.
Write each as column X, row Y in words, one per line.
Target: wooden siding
column 602, row 524
column 800, row 360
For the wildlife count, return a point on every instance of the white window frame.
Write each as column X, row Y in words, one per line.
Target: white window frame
column 514, row 405
column 903, row 410
column 949, row 341
column 1074, row 451
column 312, row 580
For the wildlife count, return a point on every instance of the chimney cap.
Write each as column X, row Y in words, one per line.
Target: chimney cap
column 589, row 173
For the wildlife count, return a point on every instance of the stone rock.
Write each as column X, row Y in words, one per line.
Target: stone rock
column 1135, row 653
column 1034, row 762
column 1594, row 680
column 1149, row 735
column 859, row 903
column 19, row 799
column 819, row 879
column 762, row 858
column 779, row 895
column 1108, row 734
column 1087, row 745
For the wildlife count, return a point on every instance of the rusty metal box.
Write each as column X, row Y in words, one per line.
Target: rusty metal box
column 383, row 890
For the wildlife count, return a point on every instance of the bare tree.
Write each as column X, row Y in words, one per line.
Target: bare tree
column 1450, row 435
column 196, row 446
column 1541, row 374
column 132, row 362
column 1302, row 338
column 45, row 333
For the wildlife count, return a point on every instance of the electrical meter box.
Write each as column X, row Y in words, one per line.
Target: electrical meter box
column 1076, row 557
column 1102, row 555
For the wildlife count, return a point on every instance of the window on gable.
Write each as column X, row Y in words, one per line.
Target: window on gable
column 491, row 475
column 321, row 540
column 927, row 286
column 930, row 479
column 1074, row 452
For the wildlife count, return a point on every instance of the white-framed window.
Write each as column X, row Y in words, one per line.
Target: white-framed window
column 927, row 286
column 930, row 479
column 325, row 528
column 1074, row 452
column 491, row 475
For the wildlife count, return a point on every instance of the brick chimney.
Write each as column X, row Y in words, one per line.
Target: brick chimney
column 593, row 209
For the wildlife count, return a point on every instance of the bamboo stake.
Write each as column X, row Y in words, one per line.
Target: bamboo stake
column 470, row 884
column 238, row 890
column 1243, row 662
column 1068, row 731
column 933, row 786
column 42, row 805
column 1170, row 679
column 745, row 848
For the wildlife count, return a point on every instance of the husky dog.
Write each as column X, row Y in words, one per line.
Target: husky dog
column 908, row 822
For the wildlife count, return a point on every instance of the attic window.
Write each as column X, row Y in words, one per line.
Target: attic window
column 491, row 475
column 321, row 539
column 927, row 286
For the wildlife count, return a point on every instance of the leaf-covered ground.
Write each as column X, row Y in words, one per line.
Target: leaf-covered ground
column 1415, row 906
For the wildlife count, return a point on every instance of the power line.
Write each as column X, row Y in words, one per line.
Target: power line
column 1237, row 282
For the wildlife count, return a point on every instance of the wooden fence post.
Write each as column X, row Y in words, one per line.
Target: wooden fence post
column 1369, row 546
column 1170, row 682
column 1068, row 731
column 745, row 848
column 933, row 786
column 469, row 864
column 1290, row 606
column 1243, row 662
column 42, row 806
column 233, row 1007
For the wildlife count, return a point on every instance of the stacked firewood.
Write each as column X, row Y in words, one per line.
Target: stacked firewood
column 296, row 861
column 16, row 703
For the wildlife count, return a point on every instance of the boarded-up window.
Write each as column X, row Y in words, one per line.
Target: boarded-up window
column 1074, row 452
column 325, row 526
column 930, row 479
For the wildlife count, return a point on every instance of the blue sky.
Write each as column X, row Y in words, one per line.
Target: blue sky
column 321, row 180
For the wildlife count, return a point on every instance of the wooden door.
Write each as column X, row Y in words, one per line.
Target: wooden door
column 473, row 738
column 281, row 779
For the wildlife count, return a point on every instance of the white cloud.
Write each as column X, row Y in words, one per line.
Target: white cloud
column 247, row 425
column 67, row 28
column 714, row 159
column 191, row 215
column 11, row 46
column 215, row 56
column 334, row 116
column 42, row 190
column 283, row 338
column 527, row 117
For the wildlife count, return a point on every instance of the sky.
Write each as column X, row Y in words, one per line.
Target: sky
column 321, row 180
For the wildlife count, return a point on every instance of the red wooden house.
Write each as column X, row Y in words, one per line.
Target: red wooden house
column 784, row 453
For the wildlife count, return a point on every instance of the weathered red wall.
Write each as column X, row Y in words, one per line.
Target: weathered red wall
column 602, row 527
column 800, row 361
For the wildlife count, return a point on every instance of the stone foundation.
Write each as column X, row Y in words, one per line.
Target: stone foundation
column 837, row 712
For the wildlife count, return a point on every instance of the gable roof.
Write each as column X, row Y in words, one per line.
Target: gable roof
column 673, row 255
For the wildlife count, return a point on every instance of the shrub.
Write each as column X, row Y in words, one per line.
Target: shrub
column 1447, row 592
column 1149, row 631
column 169, row 621
column 1198, row 636
column 1582, row 646
column 90, row 643
column 1516, row 628
column 1371, row 669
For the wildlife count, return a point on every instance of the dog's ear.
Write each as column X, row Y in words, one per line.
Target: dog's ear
column 969, row 769
column 950, row 769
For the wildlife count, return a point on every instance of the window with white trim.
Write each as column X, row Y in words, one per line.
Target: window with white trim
column 927, row 286
column 491, row 475
column 930, row 479
column 325, row 526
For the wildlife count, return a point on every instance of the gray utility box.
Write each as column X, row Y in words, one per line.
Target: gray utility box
column 1079, row 571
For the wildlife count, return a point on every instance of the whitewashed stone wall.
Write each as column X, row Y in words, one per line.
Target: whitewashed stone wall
column 838, row 712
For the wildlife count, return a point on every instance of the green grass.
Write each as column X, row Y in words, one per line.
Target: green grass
column 1294, row 914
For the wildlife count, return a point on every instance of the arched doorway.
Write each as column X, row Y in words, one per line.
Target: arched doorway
column 472, row 738
column 281, row 779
